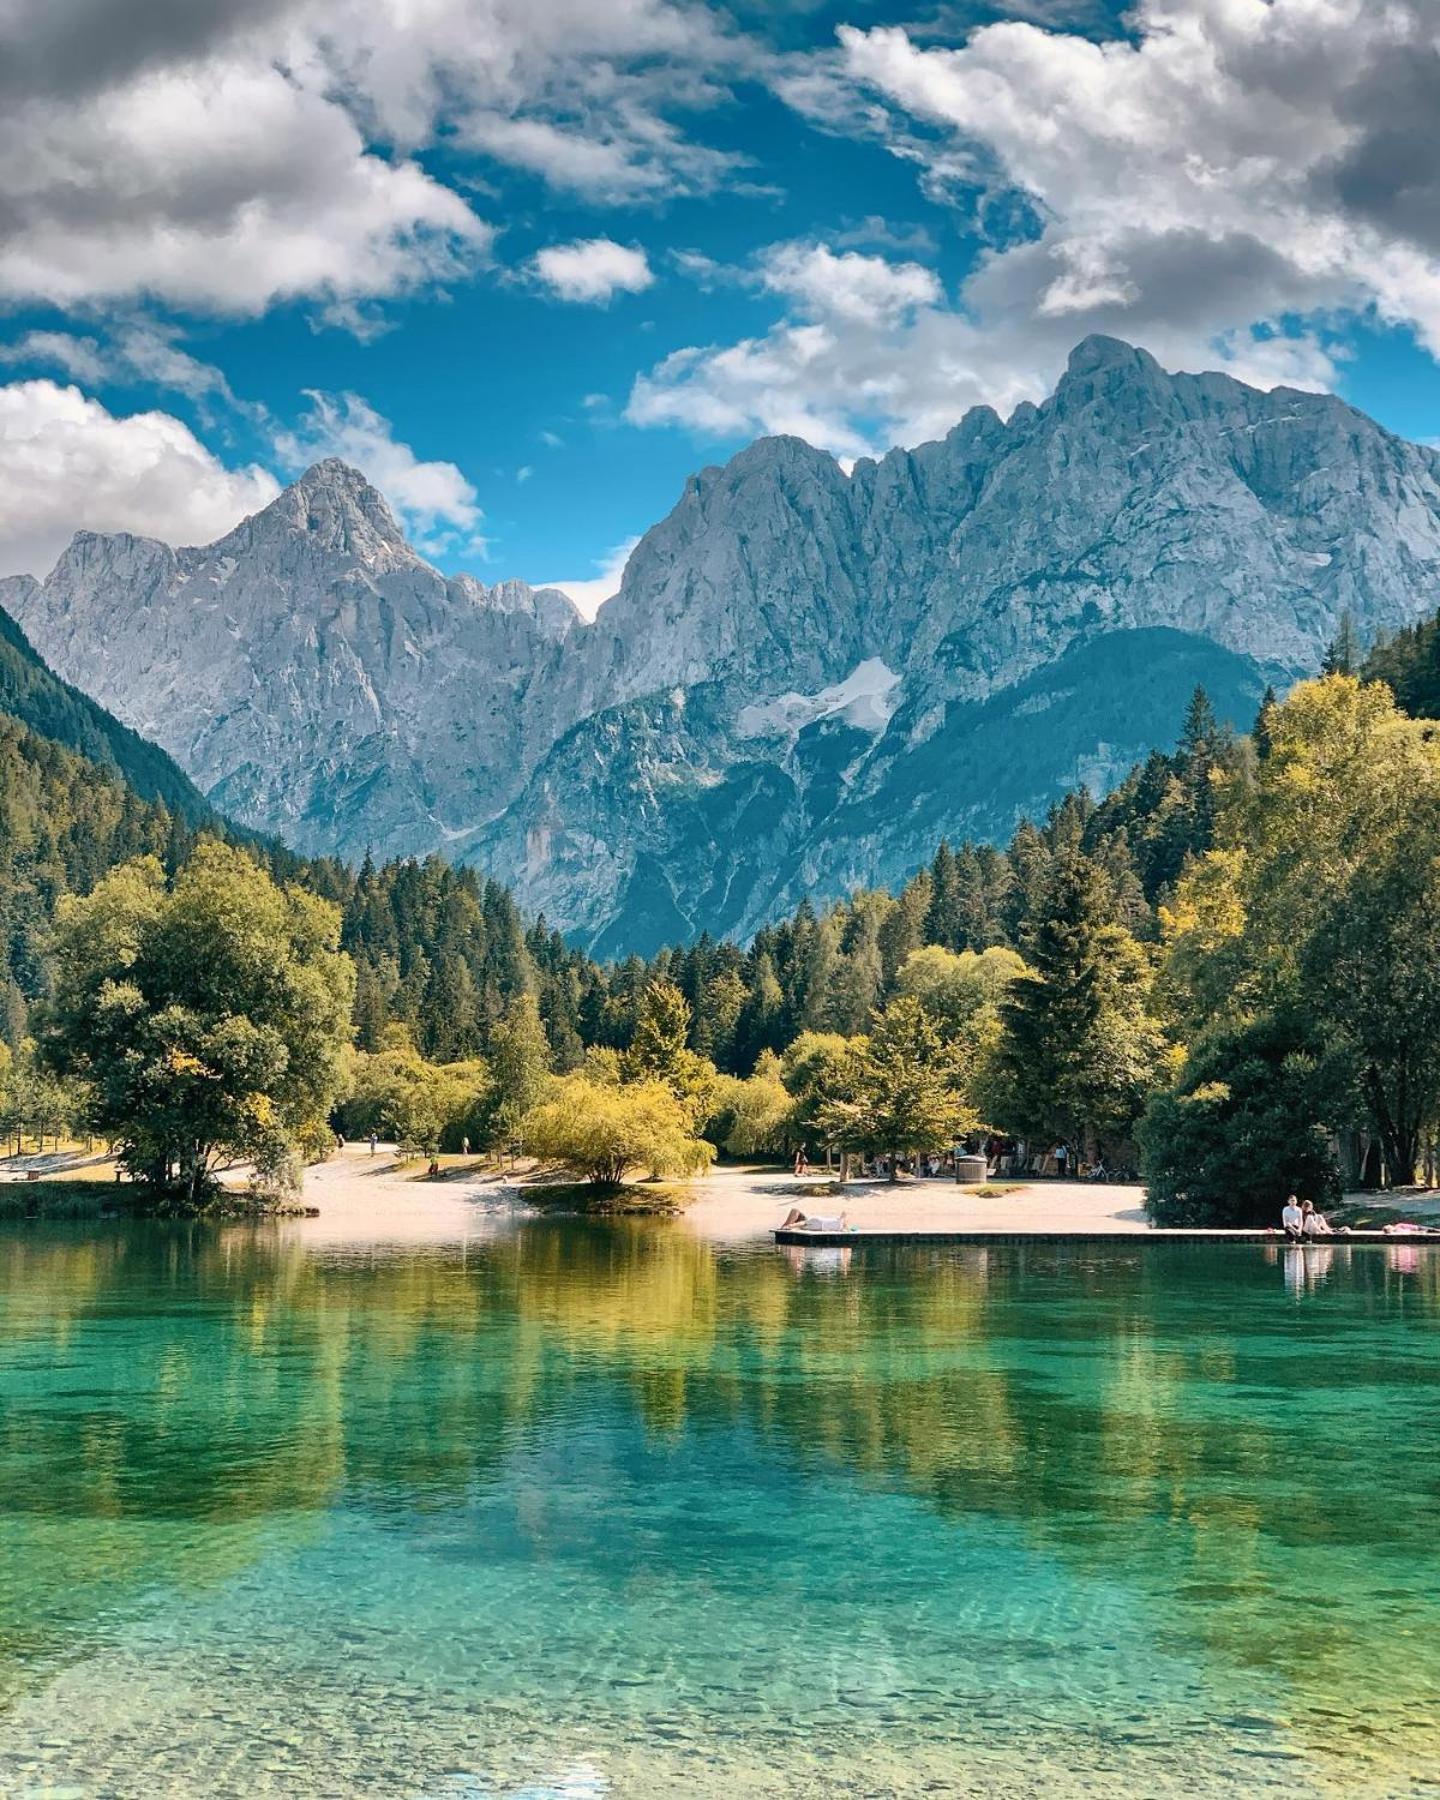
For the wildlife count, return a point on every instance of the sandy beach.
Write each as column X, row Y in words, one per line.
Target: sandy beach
column 372, row 1200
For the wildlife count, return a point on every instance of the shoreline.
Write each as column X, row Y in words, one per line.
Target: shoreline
column 369, row 1202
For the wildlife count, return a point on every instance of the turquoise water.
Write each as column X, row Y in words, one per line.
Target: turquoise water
column 604, row 1511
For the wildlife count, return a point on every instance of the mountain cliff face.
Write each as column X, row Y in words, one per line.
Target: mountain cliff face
column 806, row 677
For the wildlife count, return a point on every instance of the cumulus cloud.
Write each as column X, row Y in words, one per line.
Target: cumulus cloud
column 227, row 187
column 593, row 270
column 436, row 501
column 1225, row 169
column 67, row 464
column 591, row 592
column 233, row 154
column 867, row 289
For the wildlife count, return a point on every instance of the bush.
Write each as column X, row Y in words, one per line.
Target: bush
column 1242, row 1129
column 600, row 1133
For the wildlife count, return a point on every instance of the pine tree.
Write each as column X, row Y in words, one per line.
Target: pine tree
column 1343, row 655
column 1077, row 1049
column 1264, row 722
column 942, row 925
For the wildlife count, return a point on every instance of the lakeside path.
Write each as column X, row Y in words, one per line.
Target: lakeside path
column 370, row 1201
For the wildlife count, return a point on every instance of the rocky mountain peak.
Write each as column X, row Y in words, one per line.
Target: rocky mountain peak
column 339, row 511
column 806, row 679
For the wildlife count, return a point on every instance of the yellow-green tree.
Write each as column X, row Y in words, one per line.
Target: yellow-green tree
column 904, row 1089
column 600, row 1131
column 1320, row 904
column 209, row 1019
column 427, row 1106
column 757, row 1114
column 659, row 1051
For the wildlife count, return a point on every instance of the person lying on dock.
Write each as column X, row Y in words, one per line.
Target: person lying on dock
column 795, row 1220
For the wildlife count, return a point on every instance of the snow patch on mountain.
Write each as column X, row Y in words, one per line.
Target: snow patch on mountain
column 866, row 699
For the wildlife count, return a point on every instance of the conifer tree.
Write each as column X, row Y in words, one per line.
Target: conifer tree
column 1078, row 1051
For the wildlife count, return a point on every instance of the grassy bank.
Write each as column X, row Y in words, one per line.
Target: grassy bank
column 81, row 1198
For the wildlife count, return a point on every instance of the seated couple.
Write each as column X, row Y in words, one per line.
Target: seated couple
column 1301, row 1220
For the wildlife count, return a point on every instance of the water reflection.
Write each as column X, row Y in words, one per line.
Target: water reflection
column 182, row 1404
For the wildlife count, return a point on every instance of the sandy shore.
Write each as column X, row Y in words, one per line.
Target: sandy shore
column 366, row 1201
column 735, row 1204
column 372, row 1201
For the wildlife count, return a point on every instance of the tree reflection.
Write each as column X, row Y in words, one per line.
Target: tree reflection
column 180, row 1400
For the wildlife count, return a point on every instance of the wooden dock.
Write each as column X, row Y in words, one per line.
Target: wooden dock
column 863, row 1239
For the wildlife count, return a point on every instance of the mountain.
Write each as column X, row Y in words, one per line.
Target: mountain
column 806, row 677
column 33, row 695
column 310, row 670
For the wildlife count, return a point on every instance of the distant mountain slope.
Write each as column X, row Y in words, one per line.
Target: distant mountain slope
column 806, row 676
column 33, row 695
column 727, row 843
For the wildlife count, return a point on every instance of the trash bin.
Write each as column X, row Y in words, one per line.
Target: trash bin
column 971, row 1168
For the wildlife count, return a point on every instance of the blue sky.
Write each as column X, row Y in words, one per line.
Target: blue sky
column 531, row 265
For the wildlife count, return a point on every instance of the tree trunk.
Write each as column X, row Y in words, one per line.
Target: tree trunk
column 1399, row 1135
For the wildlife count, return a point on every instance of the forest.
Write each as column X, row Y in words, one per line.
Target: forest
column 1220, row 973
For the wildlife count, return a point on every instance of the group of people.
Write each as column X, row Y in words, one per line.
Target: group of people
column 1300, row 1220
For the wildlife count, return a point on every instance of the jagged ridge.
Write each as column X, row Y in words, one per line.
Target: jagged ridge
column 317, row 677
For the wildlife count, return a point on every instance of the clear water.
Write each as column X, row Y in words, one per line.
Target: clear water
column 607, row 1512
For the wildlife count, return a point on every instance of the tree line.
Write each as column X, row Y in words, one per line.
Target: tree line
column 1223, row 970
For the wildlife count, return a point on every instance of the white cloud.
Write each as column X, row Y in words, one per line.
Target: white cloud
column 81, row 358
column 135, row 351
column 233, row 154
column 1229, row 165
column 591, row 592
column 593, row 270
column 437, row 502
column 67, row 464
column 226, row 187
column 850, row 286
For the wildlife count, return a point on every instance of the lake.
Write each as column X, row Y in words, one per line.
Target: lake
column 608, row 1511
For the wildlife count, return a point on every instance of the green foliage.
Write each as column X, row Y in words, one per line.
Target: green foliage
column 519, row 1065
column 754, row 1115
column 903, row 1089
column 600, row 1132
column 1241, row 1130
column 960, row 992
column 35, row 1102
column 659, row 1051
column 1319, row 902
column 395, row 1093
column 1409, row 665
column 1078, row 1050
column 208, row 1019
